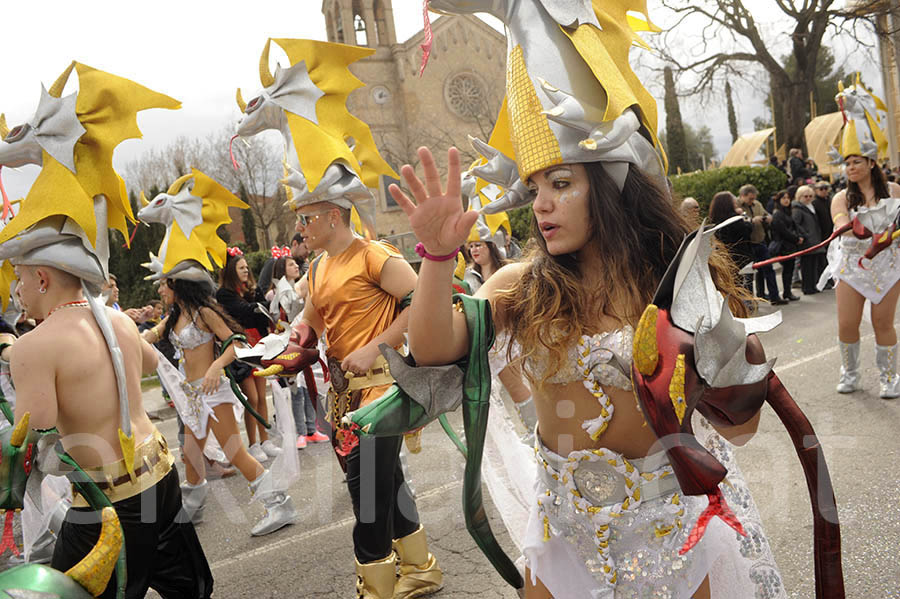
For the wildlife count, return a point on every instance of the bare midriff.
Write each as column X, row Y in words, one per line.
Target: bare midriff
column 561, row 410
column 197, row 361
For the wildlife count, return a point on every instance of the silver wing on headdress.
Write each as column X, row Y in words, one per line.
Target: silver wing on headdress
column 501, row 170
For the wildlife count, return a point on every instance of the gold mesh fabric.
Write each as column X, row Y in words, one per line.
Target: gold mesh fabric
column 535, row 146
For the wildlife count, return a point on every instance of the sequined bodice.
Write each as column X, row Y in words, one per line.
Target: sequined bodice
column 604, row 359
column 190, row 337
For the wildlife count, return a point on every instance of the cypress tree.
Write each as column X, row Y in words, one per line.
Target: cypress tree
column 675, row 139
column 248, row 227
column 732, row 119
column 248, row 223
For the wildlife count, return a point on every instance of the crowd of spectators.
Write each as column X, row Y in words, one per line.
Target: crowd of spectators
column 792, row 219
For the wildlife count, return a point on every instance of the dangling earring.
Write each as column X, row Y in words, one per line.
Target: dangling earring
column 332, row 225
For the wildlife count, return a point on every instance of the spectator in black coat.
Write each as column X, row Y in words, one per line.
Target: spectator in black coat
column 797, row 167
column 786, row 240
column 822, row 204
column 736, row 236
column 804, row 215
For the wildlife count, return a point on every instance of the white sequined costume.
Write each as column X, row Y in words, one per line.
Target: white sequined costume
column 628, row 548
column 194, row 407
column 874, row 278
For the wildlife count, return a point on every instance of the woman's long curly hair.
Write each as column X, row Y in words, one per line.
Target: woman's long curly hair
column 193, row 296
column 855, row 197
column 638, row 232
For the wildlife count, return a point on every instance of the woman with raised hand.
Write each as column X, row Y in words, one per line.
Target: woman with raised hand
column 598, row 256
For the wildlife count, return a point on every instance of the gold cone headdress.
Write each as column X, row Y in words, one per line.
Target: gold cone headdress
column 863, row 130
column 571, row 95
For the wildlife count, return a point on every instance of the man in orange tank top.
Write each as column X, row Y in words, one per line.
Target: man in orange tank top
column 356, row 288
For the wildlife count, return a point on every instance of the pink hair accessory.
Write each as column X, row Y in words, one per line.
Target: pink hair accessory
column 235, row 251
column 280, row 252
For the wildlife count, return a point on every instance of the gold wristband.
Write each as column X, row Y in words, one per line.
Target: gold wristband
column 838, row 215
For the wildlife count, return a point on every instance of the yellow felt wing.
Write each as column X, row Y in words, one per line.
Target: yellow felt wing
column 54, row 182
column 7, row 276
column 501, row 139
column 497, row 221
column 606, row 53
column 107, row 107
column 318, row 145
column 204, row 240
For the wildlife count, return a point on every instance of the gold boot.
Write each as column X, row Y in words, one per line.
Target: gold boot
column 420, row 574
column 375, row 580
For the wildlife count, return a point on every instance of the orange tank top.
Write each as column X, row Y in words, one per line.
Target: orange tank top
column 346, row 291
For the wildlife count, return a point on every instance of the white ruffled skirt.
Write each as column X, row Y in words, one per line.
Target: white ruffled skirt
column 873, row 279
column 632, row 551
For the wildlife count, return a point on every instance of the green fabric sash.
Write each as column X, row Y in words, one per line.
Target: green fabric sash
column 397, row 413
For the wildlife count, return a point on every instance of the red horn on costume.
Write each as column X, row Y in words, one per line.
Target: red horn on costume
column 669, row 388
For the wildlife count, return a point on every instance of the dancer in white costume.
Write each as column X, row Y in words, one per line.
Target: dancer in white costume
column 192, row 210
column 609, row 518
column 873, row 202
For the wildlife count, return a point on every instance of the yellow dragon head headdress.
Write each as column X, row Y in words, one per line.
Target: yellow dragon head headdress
column 571, row 95
column 63, row 221
column 73, row 138
column 192, row 209
column 330, row 155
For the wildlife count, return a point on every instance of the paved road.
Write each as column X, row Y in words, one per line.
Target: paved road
column 860, row 434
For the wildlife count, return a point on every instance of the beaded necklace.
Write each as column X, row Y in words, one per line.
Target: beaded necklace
column 75, row 304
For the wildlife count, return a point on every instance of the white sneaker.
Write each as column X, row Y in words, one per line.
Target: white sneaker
column 258, row 454
column 271, row 449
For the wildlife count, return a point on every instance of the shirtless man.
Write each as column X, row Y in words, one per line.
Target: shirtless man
column 49, row 367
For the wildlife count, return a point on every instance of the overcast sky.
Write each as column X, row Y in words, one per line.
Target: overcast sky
column 198, row 51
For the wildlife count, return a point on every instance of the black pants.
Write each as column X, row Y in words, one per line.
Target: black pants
column 787, row 275
column 765, row 276
column 384, row 508
column 811, row 268
column 161, row 553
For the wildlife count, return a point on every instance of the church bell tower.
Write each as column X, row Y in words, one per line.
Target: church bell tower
column 360, row 22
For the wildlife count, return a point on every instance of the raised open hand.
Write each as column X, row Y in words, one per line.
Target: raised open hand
column 436, row 217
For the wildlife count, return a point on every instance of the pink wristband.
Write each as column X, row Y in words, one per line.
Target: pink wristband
column 420, row 249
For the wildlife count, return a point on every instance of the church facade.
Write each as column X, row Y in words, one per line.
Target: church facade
column 458, row 95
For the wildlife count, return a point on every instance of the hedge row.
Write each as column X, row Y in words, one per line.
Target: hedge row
column 703, row 185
